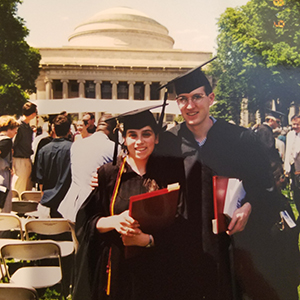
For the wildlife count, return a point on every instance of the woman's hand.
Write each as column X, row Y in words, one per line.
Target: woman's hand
column 122, row 223
column 126, row 225
column 141, row 240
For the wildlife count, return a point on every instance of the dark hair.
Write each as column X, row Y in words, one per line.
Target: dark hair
column 207, row 89
column 28, row 109
column 8, row 122
column 92, row 116
column 295, row 117
column 61, row 125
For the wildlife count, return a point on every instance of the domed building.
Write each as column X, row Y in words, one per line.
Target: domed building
column 117, row 54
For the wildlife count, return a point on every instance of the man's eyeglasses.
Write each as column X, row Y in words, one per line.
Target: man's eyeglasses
column 196, row 98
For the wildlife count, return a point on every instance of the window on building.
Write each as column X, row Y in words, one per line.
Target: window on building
column 122, row 90
column 106, row 90
column 90, row 89
column 57, row 89
column 73, row 89
column 139, row 91
column 154, row 92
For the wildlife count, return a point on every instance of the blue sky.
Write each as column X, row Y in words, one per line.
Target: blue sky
column 191, row 23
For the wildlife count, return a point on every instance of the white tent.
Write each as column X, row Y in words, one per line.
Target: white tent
column 80, row 105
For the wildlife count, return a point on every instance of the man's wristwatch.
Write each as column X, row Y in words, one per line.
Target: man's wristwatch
column 150, row 244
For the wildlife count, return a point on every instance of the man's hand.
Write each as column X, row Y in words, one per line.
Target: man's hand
column 94, row 180
column 239, row 219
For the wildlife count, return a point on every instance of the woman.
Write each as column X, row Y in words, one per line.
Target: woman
column 81, row 132
column 104, row 227
column 8, row 129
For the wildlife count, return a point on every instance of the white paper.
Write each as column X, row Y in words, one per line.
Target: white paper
column 234, row 195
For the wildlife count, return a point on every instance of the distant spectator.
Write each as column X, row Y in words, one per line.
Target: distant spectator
column 82, row 130
column 87, row 155
column 8, row 129
column 22, row 165
column 89, row 118
column 292, row 159
column 53, row 166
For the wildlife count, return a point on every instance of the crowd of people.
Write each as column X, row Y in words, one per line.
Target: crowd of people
column 256, row 258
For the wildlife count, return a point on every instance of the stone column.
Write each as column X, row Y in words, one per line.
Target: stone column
column 81, row 93
column 65, row 88
column 162, row 91
column 98, row 88
column 114, row 89
column 48, row 83
column 131, row 90
column 147, row 90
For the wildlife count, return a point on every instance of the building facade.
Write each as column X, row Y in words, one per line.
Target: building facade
column 119, row 53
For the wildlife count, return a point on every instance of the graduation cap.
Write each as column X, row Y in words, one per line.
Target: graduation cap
column 135, row 119
column 276, row 114
column 190, row 81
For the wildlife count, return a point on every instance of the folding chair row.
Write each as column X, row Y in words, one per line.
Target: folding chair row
column 10, row 291
column 27, row 195
column 39, row 275
column 59, row 230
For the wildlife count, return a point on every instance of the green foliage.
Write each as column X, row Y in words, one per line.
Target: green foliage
column 19, row 63
column 258, row 56
column 51, row 294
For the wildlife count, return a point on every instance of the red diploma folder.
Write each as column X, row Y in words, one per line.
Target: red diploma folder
column 155, row 210
column 228, row 193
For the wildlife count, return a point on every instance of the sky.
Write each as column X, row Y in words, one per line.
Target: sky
column 191, row 23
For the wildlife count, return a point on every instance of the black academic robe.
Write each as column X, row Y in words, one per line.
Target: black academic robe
column 137, row 278
column 260, row 261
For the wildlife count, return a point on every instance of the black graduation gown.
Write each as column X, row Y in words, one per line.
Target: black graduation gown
column 137, row 278
column 263, row 269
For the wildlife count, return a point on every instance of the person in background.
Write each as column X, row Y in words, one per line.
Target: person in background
column 292, row 159
column 82, row 130
column 89, row 119
column 53, row 166
column 87, row 155
column 22, row 165
column 266, row 137
column 8, row 129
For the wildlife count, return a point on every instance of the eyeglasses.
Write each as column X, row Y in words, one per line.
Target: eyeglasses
column 196, row 98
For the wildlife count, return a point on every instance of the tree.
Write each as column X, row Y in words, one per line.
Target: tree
column 258, row 55
column 19, row 63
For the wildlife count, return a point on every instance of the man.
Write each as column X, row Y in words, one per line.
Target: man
column 87, row 155
column 266, row 137
column 210, row 147
column 22, row 165
column 89, row 119
column 53, row 166
column 292, row 158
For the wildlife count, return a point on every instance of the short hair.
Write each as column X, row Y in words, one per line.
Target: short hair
column 92, row 116
column 61, row 125
column 295, row 117
column 28, row 109
column 8, row 122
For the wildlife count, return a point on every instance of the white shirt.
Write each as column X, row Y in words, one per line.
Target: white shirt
column 292, row 151
column 87, row 155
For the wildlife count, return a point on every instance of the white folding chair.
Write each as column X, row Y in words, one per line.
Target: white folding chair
column 22, row 207
column 11, row 228
column 9, row 291
column 40, row 275
column 31, row 196
column 15, row 194
column 52, row 228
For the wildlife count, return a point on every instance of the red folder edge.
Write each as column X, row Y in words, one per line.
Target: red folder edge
column 219, row 194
